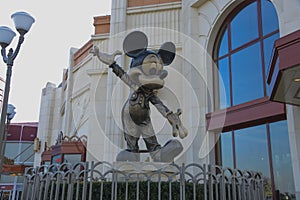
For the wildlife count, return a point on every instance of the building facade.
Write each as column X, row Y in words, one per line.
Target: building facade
column 19, row 154
column 228, row 78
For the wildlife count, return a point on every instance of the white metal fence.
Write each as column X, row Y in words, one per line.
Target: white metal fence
column 130, row 181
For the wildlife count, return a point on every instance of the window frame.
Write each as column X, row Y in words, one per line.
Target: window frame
column 252, row 113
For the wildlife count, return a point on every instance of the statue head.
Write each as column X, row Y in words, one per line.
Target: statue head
column 147, row 66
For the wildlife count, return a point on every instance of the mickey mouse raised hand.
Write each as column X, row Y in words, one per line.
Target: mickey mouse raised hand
column 146, row 75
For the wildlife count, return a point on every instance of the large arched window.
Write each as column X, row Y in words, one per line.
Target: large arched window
column 251, row 139
column 244, row 51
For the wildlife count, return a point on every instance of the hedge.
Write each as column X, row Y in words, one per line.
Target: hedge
column 132, row 190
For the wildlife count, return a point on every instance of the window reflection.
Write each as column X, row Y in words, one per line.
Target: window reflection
column 21, row 152
column 281, row 156
column 224, row 83
column 244, row 27
column 268, row 48
column 72, row 158
column 251, row 149
column 247, row 79
column 251, row 153
column 224, row 44
column 269, row 17
column 251, row 32
column 227, row 151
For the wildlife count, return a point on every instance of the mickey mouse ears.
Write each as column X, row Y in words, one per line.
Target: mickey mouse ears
column 167, row 52
column 135, row 43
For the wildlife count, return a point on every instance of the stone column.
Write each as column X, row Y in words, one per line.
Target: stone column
column 289, row 21
column 293, row 118
column 112, row 131
column 45, row 119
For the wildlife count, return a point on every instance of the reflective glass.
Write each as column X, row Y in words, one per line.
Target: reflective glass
column 6, row 179
column 247, row 79
column 224, row 44
column 244, row 26
column 252, row 153
column 268, row 48
column 269, row 17
column 27, row 149
column 226, row 149
column 282, row 165
column 224, row 83
column 72, row 158
column 11, row 149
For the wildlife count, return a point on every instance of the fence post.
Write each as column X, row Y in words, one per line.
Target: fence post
column 70, row 185
column 222, row 185
column 91, row 177
column 25, row 184
column 182, row 182
column 210, row 182
column 36, row 183
column 205, row 181
column 85, row 179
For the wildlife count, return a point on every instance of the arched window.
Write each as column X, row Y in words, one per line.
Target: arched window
column 244, row 51
column 251, row 140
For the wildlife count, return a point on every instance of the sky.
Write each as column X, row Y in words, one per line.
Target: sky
column 59, row 25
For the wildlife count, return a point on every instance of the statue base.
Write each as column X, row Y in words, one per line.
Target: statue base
column 145, row 171
column 165, row 154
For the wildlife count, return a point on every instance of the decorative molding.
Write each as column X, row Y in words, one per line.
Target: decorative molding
column 82, row 63
column 104, row 36
column 81, row 91
column 94, row 72
column 83, row 52
column 245, row 115
column 154, row 8
column 198, row 3
column 62, row 108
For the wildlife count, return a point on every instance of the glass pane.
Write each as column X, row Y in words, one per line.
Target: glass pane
column 268, row 48
column 244, row 26
column 252, row 153
column 72, row 158
column 226, row 149
column 28, row 153
column 11, row 149
column 224, row 44
column 251, row 149
column 224, row 83
column 6, row 179
column 247, row 79
column 269, row 17
column 282, row 165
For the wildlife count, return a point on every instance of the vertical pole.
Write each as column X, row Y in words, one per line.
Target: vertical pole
column 15, row 187
column 3, row 112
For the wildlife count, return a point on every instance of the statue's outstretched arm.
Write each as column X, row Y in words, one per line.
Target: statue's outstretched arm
column 109, row 59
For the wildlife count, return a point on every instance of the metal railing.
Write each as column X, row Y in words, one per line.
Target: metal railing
column 130, row 180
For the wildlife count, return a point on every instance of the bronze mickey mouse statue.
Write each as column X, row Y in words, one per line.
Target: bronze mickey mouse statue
column 146, row 75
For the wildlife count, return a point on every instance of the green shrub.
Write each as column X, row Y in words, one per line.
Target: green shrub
column 132, row 190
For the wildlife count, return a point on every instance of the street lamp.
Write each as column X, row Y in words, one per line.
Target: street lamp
column 23, row 22
column 9, row 116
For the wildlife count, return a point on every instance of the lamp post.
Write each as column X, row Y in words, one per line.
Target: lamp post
column 23, row 22
column 9, row 116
